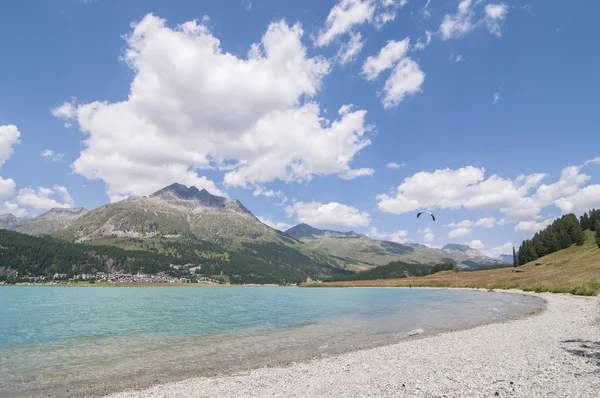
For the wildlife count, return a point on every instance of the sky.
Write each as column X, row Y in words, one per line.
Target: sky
column 348, row 114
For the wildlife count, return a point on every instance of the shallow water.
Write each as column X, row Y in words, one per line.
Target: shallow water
column 67, row 341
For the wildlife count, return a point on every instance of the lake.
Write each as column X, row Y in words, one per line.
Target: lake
column 74, row 340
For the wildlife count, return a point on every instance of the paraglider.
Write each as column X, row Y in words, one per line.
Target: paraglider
column 425, row 211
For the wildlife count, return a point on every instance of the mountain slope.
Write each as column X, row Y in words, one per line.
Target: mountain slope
column 178, row 220
column 574, row 270
column 363, row 252
column 23, row 256
column 47, row 223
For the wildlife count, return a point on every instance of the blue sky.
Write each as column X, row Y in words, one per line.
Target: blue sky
column 105, row 99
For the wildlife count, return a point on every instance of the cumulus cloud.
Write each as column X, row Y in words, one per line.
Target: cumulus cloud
column 41, row 198
column 192, row 106
column 476, row 244
column 345, row 15
column 498, row 250
column 9, row 136
column 465, row 19
column 468, row 188
column 51, row 155
column 428, row 234
column 394, row 165
column 487, row 222
column 398, row 236
column 462, row 224
column 494, row 14
column 420, row 45
column 581, row 201
column 327, row 214
column 349, row 51
column 459, row 232
column 282, row 226
column 532, row 226
column 388, row 56
column 406, row 79
column 354, row 173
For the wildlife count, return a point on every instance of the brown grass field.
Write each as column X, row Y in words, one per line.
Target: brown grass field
column 574, row 270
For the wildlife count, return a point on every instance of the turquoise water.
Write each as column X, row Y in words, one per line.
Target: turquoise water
column 96, row 340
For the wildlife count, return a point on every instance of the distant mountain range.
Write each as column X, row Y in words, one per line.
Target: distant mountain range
column 362, row 252
column 178, row 219
column 49, row 222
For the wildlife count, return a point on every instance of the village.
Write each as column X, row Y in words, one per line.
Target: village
column 113, row 278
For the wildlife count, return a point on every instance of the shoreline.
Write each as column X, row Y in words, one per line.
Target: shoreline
column 537, row 354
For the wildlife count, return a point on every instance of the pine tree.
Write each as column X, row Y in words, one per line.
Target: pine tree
column 597, row 234
column 515, row 258
column 585, row 222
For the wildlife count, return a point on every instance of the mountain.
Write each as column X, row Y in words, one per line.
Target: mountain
column 363, row 253
column 172, row 212
column 457, row 247
column 506, row 258
column 303, row 231
column 178, row 220
column 47, row 223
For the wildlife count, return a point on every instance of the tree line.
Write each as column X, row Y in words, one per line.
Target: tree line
column 562, row 233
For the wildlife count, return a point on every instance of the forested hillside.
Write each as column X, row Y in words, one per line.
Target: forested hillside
column 24, row 255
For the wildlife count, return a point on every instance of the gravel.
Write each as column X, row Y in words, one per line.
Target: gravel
column 555, row 353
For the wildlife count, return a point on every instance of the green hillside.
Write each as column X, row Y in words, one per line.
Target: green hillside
column 575, row 270
column 253, row 262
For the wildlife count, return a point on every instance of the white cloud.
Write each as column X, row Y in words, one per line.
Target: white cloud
column 349, row 51
column 247, row 4
column 497, row 97
column 394, row 165
column 496, row 11
column 462, row 224
column 269, row 194
column 476, row 244
column 458, row 58
column 388, row 56
column 450, row 189
column 41, row 199
column 459, row 232
column 398, row 236
column 487, row 222
column 420, row 45
column 282, row 226
column 343, row 17
column 498, row 250
column 387, row 13
column 532, row 226
column 12, row 208
column 581, row 201
column 354, row 173
column 406, row 79
column 428, row 234
column 327, row 214
column 456, row 25
column 9, row 136
column 50, row 154
column 468, row 188
column 192, row 106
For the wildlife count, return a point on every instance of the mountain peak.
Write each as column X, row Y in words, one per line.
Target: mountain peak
column 457, row 247
column 180, row 191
